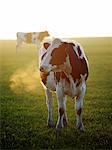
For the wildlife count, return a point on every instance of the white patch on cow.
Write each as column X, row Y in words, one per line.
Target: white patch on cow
column 42, row 51
column 83, row 77
column 82, row 50
column 35, row 37
column 61, row 101
column 45, row 61
column 49, row 102
column 79, row 105
column 56, row 43
column 67, row 66
column 20, row 39
column 51, row 84
column 76, row 50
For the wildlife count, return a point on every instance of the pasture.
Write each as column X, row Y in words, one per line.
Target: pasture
column 23, row 107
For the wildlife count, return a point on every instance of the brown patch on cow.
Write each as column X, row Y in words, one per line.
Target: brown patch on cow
column 68, row 44
column 79, row 111
column 61, row 75
column 79, row 66
column 46, row 45
column 61, row 111
column 59, row 55
column 28, row 37
column 43, row 77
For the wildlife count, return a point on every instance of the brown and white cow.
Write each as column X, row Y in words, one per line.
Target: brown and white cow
column 31, row 37
column 64, row 69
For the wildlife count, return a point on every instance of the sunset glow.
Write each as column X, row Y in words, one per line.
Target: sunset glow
column 70, row 18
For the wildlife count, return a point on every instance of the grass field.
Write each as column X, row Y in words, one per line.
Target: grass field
column 23, row 107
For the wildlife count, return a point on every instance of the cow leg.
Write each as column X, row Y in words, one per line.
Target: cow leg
column 61, row 106
column 49, row 103
column 79, row 105
column 19, row 43
column 65, row 119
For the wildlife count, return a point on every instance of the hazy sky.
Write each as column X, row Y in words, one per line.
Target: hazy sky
column 62, row 18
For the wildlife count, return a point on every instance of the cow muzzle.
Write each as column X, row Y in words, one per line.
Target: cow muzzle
column 44, row 70
column 41, row 69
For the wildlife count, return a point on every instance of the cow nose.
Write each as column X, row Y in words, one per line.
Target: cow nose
column 41, row 69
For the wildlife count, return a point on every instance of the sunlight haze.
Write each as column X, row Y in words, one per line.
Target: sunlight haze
column 62, row 18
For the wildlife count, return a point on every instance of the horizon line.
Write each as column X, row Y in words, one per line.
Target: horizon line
column 69, row 37
column 65, row 37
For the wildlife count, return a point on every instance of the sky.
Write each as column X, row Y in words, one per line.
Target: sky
column 62, row 18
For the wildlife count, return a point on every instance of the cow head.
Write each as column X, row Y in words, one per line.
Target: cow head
column 55, row 57
column 45, row 34
column 42, row 35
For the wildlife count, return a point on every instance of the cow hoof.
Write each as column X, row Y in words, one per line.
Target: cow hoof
column 58, row 128
column 65, row 122
column 81, row 127
column 51, row 125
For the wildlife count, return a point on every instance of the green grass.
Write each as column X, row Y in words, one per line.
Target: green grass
column 23, row 106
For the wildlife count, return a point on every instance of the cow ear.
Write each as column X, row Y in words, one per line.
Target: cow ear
column 46, row 45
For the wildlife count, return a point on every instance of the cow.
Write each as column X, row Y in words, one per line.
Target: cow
column 31, row 37
column 63, row 69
